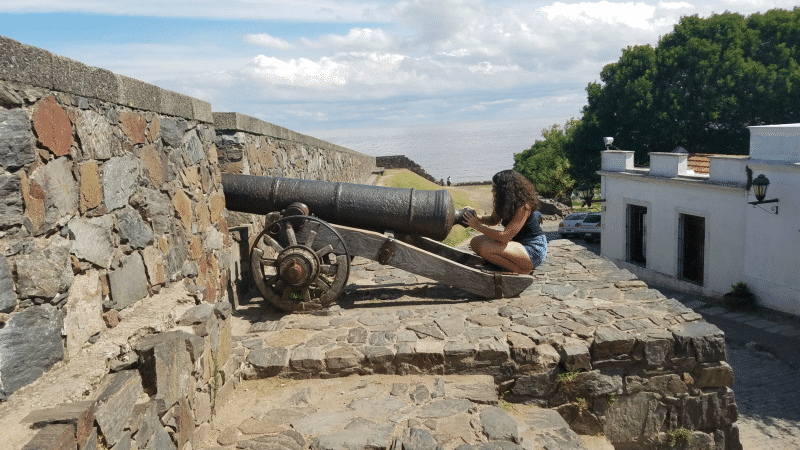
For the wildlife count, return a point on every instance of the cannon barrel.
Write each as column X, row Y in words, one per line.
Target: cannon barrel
column 377, row 208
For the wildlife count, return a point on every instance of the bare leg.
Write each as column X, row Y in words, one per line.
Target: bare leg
column 511, row 256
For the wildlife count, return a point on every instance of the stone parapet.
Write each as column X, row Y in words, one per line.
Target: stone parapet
column 34, row 66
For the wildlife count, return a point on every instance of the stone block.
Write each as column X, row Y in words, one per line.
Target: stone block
column 185, row 423
column 91, row 441
column 155, row 162
column 98, row 140
column 133, row 229
column 493, row 350
column 138, row 94
column 269, row 361
column 539, row 385
column 175, row 104
column 460, row 350
column 120, row 178
column 134, row 126
column 91, row 193
column 30, row 343
column 17, row 146
column 498, row 425
column 709, row 410
column 93, row 239
column 53, row 127
column 128, row 284
column 183, row 206
column 172, row 131
column 700, row 340
column 84, row 311
column 341, row 358
column 66, row 74
column 611, row 342
column 8, row 299
column 547, row 426
column 201, row 111
column 60, row 189
column 115, row 403
column 715, row 375
column 80, row 415
column 53, row 437
column 165, row 362
column 635, row 419
column 154, row 263
column 576, row 357
column 25, row 63
column 657, row 346
column 202, row 407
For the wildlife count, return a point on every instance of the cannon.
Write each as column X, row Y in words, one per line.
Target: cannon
column 300, row 262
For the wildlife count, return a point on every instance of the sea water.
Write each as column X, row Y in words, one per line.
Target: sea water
column 465, row 151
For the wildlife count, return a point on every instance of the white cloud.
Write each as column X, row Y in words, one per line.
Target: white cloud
column 266, row 40
column 357, row 39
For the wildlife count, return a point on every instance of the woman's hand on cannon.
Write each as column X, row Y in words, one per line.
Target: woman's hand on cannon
column 471, row 219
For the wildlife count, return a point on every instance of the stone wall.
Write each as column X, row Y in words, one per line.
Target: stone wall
column 110, row 190
column 162, row 395
column 403, row 162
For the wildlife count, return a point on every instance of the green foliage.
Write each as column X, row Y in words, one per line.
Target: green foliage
column 545, row 164
column 567, row 378
column 740, row 288
column 581, row 404
column 216, row 381
column 699, row 88
column 612, row 399
column 678, row 435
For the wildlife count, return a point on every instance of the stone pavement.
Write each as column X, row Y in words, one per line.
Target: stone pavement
column 581, row 313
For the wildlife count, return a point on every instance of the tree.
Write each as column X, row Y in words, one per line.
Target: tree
column 700, row 88
column 545, row 164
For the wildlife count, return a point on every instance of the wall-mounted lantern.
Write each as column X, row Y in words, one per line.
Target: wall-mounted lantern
column 608, row 141
column 760, row 189
column 586, row 192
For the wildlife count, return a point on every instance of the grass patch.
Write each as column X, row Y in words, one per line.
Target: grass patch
column 576, row 207
column 406, row 179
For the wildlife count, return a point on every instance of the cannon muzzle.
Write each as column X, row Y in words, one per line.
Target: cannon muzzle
column 403, row 211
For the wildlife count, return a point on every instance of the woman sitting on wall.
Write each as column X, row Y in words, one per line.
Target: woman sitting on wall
column 521, row 246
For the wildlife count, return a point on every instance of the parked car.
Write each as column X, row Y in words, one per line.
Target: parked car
column 591, row 227
column 568, row 226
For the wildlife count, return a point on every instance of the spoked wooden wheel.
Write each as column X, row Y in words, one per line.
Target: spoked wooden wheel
column 292, row 272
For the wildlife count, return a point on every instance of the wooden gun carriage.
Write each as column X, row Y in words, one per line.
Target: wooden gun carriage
column 301, row 260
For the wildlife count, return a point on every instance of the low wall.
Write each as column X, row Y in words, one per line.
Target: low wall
column 403, row 162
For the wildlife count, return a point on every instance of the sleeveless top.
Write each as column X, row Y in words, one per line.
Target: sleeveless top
column 530, row 230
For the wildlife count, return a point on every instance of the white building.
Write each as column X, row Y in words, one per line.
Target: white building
column 696, row 232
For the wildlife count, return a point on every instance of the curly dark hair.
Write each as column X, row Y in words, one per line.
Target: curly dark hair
column 512, row 190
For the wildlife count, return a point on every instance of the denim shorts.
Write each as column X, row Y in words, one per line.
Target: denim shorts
column 537, row 249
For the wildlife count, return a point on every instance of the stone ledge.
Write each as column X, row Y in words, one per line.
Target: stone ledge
column 69, row 381
column 241, row 122
column 32, row 65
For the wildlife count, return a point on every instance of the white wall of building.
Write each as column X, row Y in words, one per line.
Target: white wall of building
column 742, row 242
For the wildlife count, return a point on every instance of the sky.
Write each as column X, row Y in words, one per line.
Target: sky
column 330, row 65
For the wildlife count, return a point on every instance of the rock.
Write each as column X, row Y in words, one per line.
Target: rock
column 443, row 408
column 133, row 125
column 709, row 410
column 16, row 147
column 8, row 299
column 154, row 263
column 165, row 362
column 156, row 164
column 52, row 126
column 197, row 314
column 438, row 388
column 269, row 361
column 120, row 178
column 634, row 418
column 133, row 229
column 128, row 284
column 93, row 239
column 595, row 384
column 157, row 207
column 277, row 441
column 701, row 340
column 60, row 189
column 223, row 310
column 172, row 130
column 111, row 318
column 84, row 310
column 376, row 408
column 498, row 425
column 420, row 395
column 539, row 385
column 91, row 194
column 670, row 384
column 357, row 335
column 55, row 436
column 306, row 358
column 79, row 415
column 115, row 403
column 550, row 431
column 11, row 203
column 576, row 357
column 715, row 375
column 342, row 358
column 45, row 273
column 657, row 345
column 549, row 207
column 415, row 439
column 192, row 148
column 97, row 137
column 610, row 342
column 370, row 437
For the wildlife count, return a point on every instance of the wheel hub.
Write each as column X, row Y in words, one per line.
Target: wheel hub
column 298, row 266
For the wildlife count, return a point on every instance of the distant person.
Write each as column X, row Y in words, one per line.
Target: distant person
column 441, row 181
column 522, row 245
column 448, row 181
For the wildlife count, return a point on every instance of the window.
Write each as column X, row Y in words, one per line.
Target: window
column 636, row 234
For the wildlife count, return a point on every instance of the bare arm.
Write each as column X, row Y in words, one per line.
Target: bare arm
column 508, row 233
